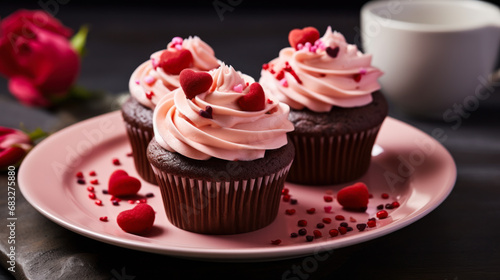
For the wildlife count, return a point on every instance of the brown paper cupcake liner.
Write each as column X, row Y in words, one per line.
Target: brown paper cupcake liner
column 139, row 140
column 327, row 160
column 221, row 207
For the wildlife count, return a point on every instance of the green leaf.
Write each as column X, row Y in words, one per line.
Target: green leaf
column 37, row 134
column 79, row 39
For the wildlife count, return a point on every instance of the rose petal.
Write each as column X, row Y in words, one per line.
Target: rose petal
column 11, row 156
column 26, row 92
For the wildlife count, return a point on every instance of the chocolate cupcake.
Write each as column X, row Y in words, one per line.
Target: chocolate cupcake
column 220, row 153
column 151, row 81
column 336, row 106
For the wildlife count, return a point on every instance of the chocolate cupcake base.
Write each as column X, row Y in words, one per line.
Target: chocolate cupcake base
column 139, row 124
column 335, row 147
column 217, row 196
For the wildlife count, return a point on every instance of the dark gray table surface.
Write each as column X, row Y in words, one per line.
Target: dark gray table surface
column 458, row 240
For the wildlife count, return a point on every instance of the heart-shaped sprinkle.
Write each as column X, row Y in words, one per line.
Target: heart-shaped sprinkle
column 137, row 220
column 302, row 36
column 121, row 184
column 194, row 83
column 173, row 62
column 207, row 113
column 356, row 77
column 332, row 52
column 354, row 197
column 254, row 100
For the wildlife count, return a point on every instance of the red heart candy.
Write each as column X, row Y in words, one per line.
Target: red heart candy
column 194, row 83
column 137, row 220
column 354, row 197
column 254, row 100
column 121, row 184
column 173, row 62
column 302, row 36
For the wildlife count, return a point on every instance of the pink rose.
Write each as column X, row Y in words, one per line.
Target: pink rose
column 14, row 145
column 36, row 57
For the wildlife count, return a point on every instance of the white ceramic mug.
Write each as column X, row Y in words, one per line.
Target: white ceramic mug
column 435, row 54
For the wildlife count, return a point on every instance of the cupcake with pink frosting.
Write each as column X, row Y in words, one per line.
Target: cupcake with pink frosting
column 336, row 106
column 154, row 79
column 220, row 152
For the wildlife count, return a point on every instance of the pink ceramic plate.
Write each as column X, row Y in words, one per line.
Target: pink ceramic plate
column 408, row 165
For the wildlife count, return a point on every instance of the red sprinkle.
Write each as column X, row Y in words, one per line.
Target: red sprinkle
column 339, row 218
column 333, row 232
column 92, row 195
column 94, row 182
column 357, row 77
column 286, row 197
column 311, row 210
column 302, row 223
column 131, row 201
column 92, row 173
column 116, row 161
column 317, row 233
column 385, row 195
column 395, row 204
column 90, row 189
column 265, row 66
column 79, row 175
column 276, row 242
column 103, row 219
column 327, row 220
column 352, row 220
column 98, row 202
column 371, row 223
column 382, row 214
column 328, row 198
column 285, row 191
column 269, row 101
column 342, row 230
column 150, row 95
column 290, row 211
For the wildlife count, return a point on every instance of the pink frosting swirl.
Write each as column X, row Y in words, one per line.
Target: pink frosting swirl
column 231, row 133
column 318, row 76
column 149, row 83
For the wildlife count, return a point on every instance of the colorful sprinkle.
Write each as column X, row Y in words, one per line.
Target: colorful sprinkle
column 327, row 198
column 276, row 242
column 92, row 173
column 79, row 175
column 311, row 210
column 333, row 232
column 103, row 219
column 207, row 113
column 317, row 233
column 382, row 214
column 328, row 209
column 149, row 95
column 332, row 52
column 90, row 189
column 116, row 161
column 149, row 79
column 238, row 88
column 327, row 220
column 94, row 182
column 290, row 211
column 98, row 202
column 339, row 218
column 302, row 223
